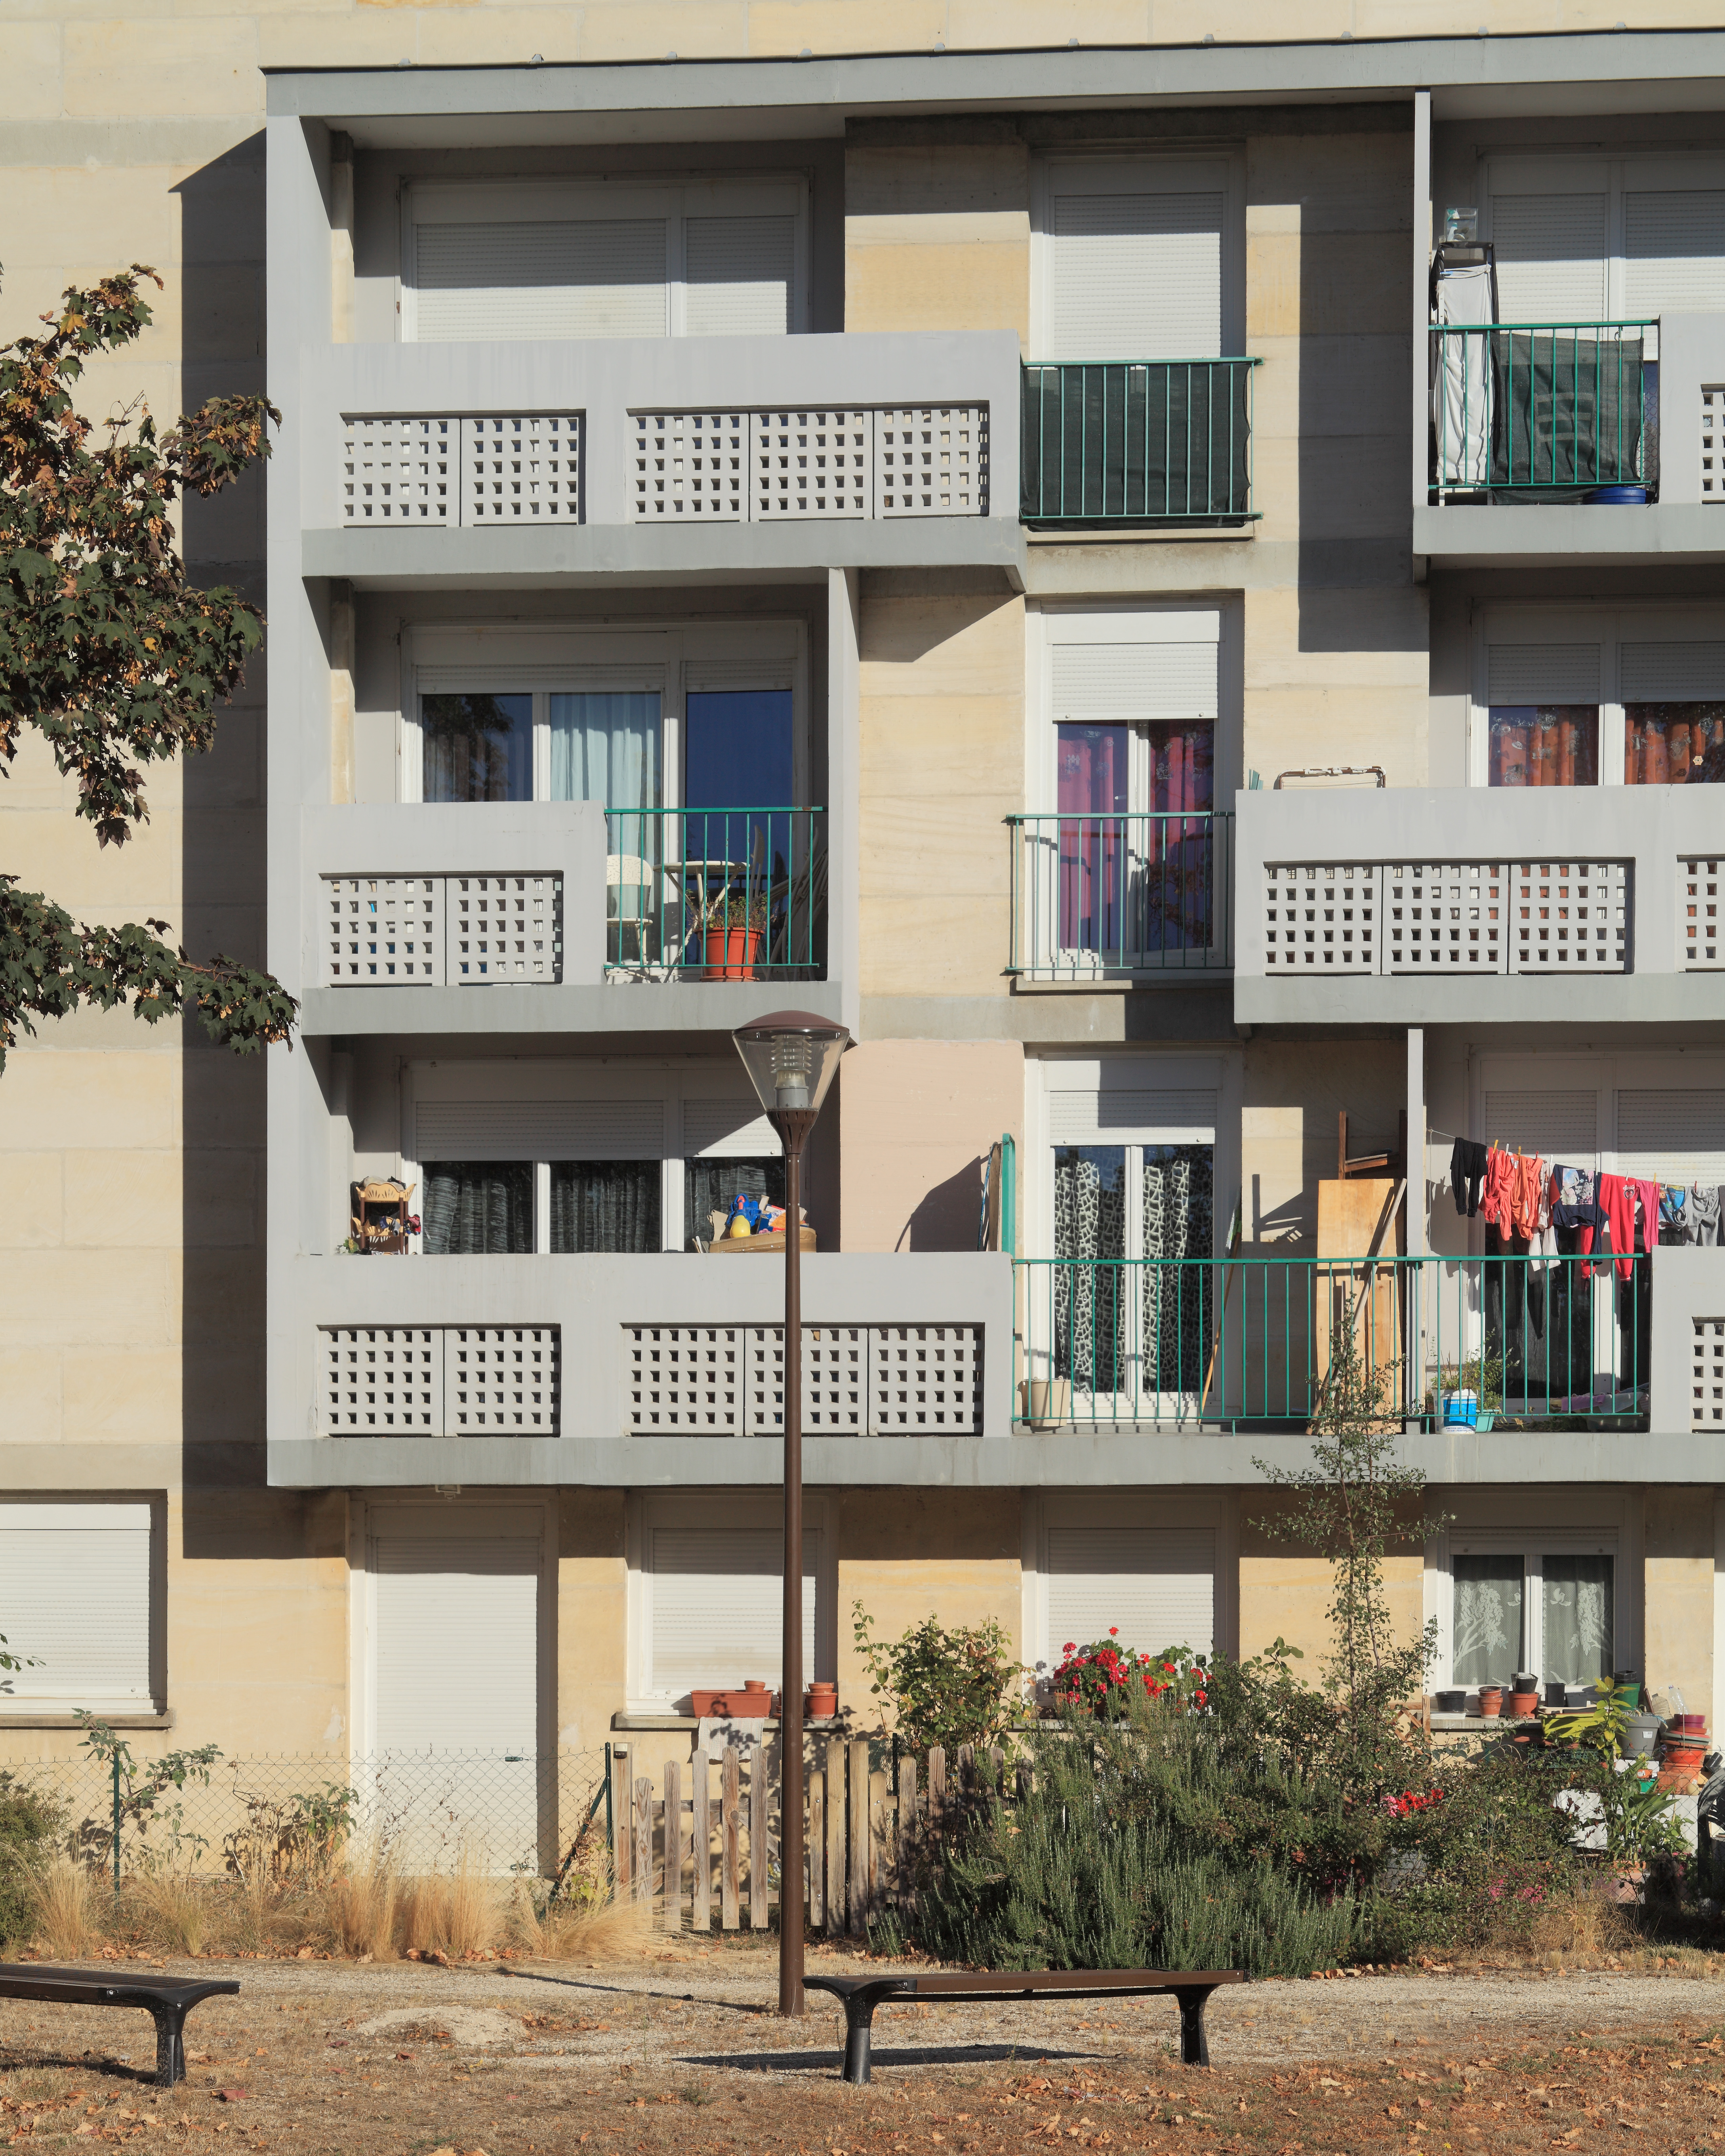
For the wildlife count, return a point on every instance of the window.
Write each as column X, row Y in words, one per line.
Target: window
column 706, row 1595
column 1138, row 258
column 1581, row 239
column 1553, row 1612
column 75, row 1599
column 1149, row 1569
column 605, row 1205
column 469, row 1207
column 1633, row 700
column 576, row 259
column 477, row 747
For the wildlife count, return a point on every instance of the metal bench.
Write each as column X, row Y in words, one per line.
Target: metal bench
column 166, row 2003
column 861, row 1995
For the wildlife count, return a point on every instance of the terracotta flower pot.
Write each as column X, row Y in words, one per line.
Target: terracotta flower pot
column 1491, row 1702
column 821, row 1702
column 731, row 954
column 1522, row 1704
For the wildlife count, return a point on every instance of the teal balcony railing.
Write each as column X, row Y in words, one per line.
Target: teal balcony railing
column 717, row 893
column 1532, row 410
column 1137, row 442
column 1150, row 892
column 1251, row 1344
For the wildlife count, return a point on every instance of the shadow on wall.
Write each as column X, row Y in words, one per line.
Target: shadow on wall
column 945, row 1219
column 218, row 291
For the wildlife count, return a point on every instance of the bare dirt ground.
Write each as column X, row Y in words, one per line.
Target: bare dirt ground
column 678, row 2051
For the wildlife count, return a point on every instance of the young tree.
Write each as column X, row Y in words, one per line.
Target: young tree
column 112, row 656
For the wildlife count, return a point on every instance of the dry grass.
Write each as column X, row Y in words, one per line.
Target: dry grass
column 591, row 1931
column 356, row 1909
column 456, row 1914
column 64, row 1909
column 1582, row 1927
column 169, row 1910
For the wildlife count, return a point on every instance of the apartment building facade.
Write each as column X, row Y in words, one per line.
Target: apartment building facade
column 1018, row 548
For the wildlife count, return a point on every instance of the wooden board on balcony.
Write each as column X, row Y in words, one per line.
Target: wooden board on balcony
column 741, row 1245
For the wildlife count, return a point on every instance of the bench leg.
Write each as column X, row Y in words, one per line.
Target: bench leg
column 859, row 2024
column 170, row 2044
column 1194, row 2045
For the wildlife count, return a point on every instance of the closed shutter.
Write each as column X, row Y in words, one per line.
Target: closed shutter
column 75, row 1594
column 1667, row 1135
column 1103, row 682
column 1551, row 257
column 1136, row 274
column 539, row 1130
column 718, row 1606
column 1557, row 1126
column 1672, row 673
column 728, row 1130
column 1673, row 246
column 456, row 1621
column 739, row 272
column 1156, row 1584
column 1543, row 674
column 1185, row 1115
column 577, row 277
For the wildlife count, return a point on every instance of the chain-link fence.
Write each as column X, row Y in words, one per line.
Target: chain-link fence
column 271, row 1822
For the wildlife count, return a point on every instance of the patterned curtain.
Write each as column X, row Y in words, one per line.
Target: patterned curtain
column 477, row 1208
column 604, row 1205
column 1486, row 1634
column 1179, row 1222
column 1090, row 1223
column 1580, row 1619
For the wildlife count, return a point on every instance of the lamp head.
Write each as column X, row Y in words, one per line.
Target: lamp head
column 791, row 1057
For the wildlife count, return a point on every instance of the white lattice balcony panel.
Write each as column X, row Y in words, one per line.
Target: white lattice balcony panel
column 932, row 461
column 383, row 931
column 1707, row 1377
column 399, row 471
column 771, row 465
column 440, row 1380
column 515, row 468
column 691, row 467
column 1321, row 917
column 858, row 1380
column 1445, row 917
column 1700, row 944
column 436, row 931
column 1569, row 916
column 522, row 470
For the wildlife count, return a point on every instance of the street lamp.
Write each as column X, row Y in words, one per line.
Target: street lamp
column 791, row 1057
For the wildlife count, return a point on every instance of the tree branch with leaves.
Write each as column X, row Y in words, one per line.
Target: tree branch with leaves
column 112, row 656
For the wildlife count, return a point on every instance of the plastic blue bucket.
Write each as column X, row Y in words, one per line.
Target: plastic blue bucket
column 1616, row 497
column 1461, row 1411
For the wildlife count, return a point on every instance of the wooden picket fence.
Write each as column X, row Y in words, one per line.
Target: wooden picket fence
column 862, row 1831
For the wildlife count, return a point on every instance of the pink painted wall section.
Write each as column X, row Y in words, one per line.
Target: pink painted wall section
column 917, row 1118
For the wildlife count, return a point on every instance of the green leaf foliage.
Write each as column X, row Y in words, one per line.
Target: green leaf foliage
column 945, row 1685
column 110, row 655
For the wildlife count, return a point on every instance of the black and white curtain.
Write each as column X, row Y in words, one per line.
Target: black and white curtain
column 476, row 1207
column 604, row 1205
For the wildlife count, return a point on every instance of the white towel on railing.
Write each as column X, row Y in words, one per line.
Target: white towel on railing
column 1461, row 382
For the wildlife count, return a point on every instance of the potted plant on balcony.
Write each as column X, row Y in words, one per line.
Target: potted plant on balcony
column 732, row 928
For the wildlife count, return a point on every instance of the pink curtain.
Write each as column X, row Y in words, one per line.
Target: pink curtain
column 1135, row 882
column 1093, row 781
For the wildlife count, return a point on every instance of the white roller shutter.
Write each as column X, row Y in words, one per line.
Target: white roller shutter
column 1666, row 1136
column 1672, row 673
column 1135, row 273
column 1559, row 1126
column 1550, row 256
column 456, row 1633
column 539, row 1130
column 1543, row 674
column 577, row 277
column 739, row 272
column 1674, row 249
column 1156, row 1584
column 1137, row 1116
column 718, row 1606
column 728, row 1130
column 1102, row 682
column 75, row 1594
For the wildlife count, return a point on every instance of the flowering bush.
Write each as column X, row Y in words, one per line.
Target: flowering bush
column 1412, row 1800
column 1101, row 1677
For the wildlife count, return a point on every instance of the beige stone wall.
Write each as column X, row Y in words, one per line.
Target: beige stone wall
column 918, row 1119
column 904, row 1553
column 938, row 238
column 1677, row 1611
column 1286, row 1591
column 593, row 1616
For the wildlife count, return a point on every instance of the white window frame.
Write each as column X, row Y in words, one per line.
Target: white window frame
column 1059, row 1508
column 1608, row 627
column 489, row 202
column 35, row 1696
column 469, row 1513
column 1110, row 172
column 507, row 1078
column 1560, row 172
column 1559, row 1524
column 476, row 658
column 722, row 1511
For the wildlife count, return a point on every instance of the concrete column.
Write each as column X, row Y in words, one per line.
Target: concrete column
column 1422, row 264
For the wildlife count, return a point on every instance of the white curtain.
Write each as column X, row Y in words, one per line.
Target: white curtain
column 604, row 747
column 1461, row 388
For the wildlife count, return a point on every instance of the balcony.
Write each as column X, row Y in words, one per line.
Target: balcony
column 1419, row 906
column 632, row 1370
column 559, row 917
column 1137, row 443
column 1096, row 897
column 428, row 464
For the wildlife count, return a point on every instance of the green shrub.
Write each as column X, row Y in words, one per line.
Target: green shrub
column 945, row 1686
column 29, row 1824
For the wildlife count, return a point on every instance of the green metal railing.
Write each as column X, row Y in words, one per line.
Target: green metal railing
column 717, row 893
column 1141, row 892
column 1543, row 407
column 1158, row 441
column 1250, row 1343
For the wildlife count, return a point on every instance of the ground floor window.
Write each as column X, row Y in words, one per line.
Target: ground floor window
column 1553, row 1612
column 707, row 1597
column 75, row 1602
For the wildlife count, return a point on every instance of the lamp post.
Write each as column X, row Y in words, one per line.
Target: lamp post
column 791, row 1057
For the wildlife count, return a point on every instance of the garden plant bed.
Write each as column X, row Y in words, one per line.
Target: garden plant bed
column 403, row 2060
